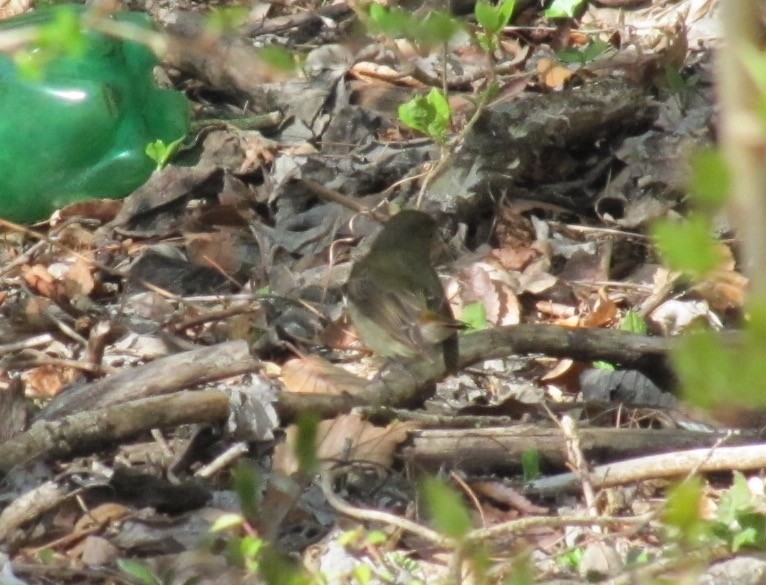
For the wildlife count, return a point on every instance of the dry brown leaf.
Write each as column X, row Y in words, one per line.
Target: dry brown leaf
column 723, row 290
column 315, row 375
column 493, row 287
column 100, row 516
column 515, row 259
column 566, row 375
column 558, row 310
column 78, row 280
column 47, row 380
column 258, row 150
column 505, row 494
column 10, row 8
column 346, row 438
column 514, row 229
column 104, row 210
column 603, row 314
column 552, row 74
column 222, row 250
column 75, row 237
column 39, row 279
column 587, row 266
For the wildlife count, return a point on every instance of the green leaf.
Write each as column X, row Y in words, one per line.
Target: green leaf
column 448, row 513
column 687, row 246
column 704, row 367
column 710, row 179
column 251, row 547
column 278, row 569
column 441, row 114
column 735, row 500
column 607, row 366
column 487, row 16
column 156, row 151
column 682, row 513
column 437, row 28
column 754, row 61
column 46, row 555
column 505, row 12
column 595, row 49
column 440, row 104
column 571, row 55
column 305, row 442
column 563, row 8
column 475, row 315
column 572, row 559
column 278, row 57
column 363, row 574
column 390, row 22
column 138, row 570
column 487, row 41
column 585, row 54
column 634, row 323
column 674, row 80
column 746, row 537
column 161, row 153
column 62, row 35
column 429, row 114
column 225, row 20
column 416, row 114
column 530, row 464
column 376, row 537
column 247, row 483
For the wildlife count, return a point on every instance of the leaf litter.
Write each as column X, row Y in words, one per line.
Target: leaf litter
column 544, row 209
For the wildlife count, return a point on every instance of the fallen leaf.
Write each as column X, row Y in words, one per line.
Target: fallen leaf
column 312, row 374
column 47, row 381
column 346, row 438
column 552, row 74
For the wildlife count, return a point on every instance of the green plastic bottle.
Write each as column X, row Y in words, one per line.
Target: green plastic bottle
column 79, row 130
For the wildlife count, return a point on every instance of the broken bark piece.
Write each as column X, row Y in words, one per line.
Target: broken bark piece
column 162, row 376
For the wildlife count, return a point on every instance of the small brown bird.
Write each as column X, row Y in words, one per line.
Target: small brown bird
column 395, row 298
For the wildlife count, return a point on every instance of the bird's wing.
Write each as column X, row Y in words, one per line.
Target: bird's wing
column 399, row 312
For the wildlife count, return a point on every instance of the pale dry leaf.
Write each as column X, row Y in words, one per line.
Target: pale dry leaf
column 47, row 381
column 222, row 250
column 11, row 8
column 78, row 280
column 586, row 265
column 39, row 279
column 312, row 374
column 535, row 282
column 603, row 314
column 101, row 516
column 675, row 316
column 723, row 290
column 258, row 151
column 492, row 286
column 346, row 438
column 506, row 494
column 560, row 369
column 552, row 74
column 76, row 237
column 95, row 551
column 104, row 210
column 515, row 258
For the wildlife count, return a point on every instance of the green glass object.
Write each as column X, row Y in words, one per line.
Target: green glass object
column 78, row 127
